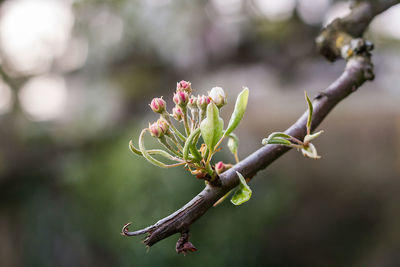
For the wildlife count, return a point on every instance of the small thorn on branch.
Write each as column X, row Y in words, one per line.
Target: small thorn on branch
column 183, row 245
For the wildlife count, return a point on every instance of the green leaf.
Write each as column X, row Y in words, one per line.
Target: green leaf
column 276, row 141
column 189, row 145
column 243, row 193
column 233, row 143
column 134, row 149
column 152, row 152
column 310, row 137
column 278, row 134
column 310, row 151
column 238, row 112
column 146, row 154
column 211, row 127
column 310, row 111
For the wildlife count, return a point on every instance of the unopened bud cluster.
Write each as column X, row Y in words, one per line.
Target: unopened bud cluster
column 203, row 101
column 184, row 102
column 193, row 131
column 159, row 128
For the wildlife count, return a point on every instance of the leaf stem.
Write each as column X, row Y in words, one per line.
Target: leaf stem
column 164, row 142
column 178, row 133
column 185, row 121
column 190, row 145
column 218, row 143
column 150, row 158
column 175, row 140
column 236, row 157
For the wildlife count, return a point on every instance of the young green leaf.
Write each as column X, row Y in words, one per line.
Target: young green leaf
column 152, row 152
column 211, row 127
column 233, row 143
column 276, row 141
column 190, row 144
column 238, row 112
column 278, row 134
column 134, row 149
column 310, row 137
column 149, row 158
column 310, row 112
column 243, row 193
column 310, row 151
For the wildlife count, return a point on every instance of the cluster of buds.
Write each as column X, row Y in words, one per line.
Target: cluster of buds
column 192, row 102
column 185, row 101
column 203, row 101
column 199, row 116
column 159, row 128
column 200, row 119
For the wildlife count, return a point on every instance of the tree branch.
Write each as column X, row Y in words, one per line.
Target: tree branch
column 358, row 70
column 342, row 31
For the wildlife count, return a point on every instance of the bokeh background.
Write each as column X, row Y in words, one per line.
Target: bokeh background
column 76, row 80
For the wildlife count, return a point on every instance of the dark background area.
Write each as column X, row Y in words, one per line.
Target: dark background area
column 76, row 81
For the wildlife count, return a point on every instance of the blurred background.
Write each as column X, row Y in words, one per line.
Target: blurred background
column 76, row 81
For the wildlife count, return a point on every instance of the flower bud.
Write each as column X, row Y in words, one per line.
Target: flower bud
column 177, row 113
column 220, row 167
column 192, row 104
column 203, row 101
column 155, row 130
column 159, row 129
column 181, row 98
column 217, row 95
column 184, row 86
column 158, row 105
column 163, row 124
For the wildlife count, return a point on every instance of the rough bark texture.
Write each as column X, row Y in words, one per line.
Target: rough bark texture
column 343, row 30
column 358, row 70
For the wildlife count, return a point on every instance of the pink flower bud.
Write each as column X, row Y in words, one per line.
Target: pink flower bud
column 158, row 105
column 177, row 113
column 181, row 98
column 217, row 95
column 192, row 104
column 184, row 86
column 155, row 130
column 163, row 124
column 203, row 101
column 159, row 129
column 220, row 167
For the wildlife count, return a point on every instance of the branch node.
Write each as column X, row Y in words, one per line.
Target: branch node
column 183, row 245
